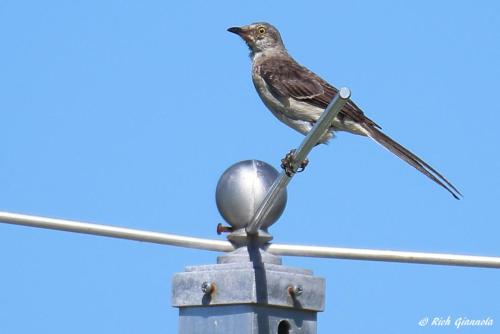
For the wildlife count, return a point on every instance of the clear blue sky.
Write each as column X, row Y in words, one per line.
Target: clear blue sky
column 126, row 113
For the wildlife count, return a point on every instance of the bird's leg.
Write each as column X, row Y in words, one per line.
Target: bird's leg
column 288, row 164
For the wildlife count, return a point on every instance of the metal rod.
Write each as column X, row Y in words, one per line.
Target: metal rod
column 312, row 138
column 225, row 246
column 279, row 184
column 385, row 255
column 115, row 232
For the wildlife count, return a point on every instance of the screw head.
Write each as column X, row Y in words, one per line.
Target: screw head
column 207, row 288
column 298, row 290
column 295, row 290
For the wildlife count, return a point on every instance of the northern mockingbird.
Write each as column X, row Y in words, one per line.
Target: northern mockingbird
column 297, row 97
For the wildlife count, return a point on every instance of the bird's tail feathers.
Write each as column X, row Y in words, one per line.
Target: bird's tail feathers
column 404, row 154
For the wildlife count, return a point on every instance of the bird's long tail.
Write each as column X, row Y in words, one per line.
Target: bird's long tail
column 410, row 158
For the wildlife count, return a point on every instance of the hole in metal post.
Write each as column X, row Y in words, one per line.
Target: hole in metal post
column 284, row 327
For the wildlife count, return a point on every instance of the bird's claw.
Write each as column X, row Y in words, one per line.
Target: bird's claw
column 288, row 164
column 303, row 165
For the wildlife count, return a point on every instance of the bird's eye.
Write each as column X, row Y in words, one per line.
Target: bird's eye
column 262, row 30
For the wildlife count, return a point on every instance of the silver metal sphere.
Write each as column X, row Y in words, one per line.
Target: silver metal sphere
column 241, row 190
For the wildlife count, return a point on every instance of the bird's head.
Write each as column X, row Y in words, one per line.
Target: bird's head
column 259, row 36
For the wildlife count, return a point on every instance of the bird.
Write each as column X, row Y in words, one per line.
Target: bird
column 297, row 97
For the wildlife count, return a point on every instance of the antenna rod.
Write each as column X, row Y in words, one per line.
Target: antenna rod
column 115, row 232
column 385, row 255
column 312, row 138
column 225, row 246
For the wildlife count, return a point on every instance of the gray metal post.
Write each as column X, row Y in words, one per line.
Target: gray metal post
column 248, row 291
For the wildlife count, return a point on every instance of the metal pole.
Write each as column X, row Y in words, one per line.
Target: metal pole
column 225, row 246
column 385, row 255
column 115, row 232
column 312, row 138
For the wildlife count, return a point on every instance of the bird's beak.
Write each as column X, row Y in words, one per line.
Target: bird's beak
column 243, row 32
column 236, row 30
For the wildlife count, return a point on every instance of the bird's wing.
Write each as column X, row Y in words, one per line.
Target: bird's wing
column 287, row 79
